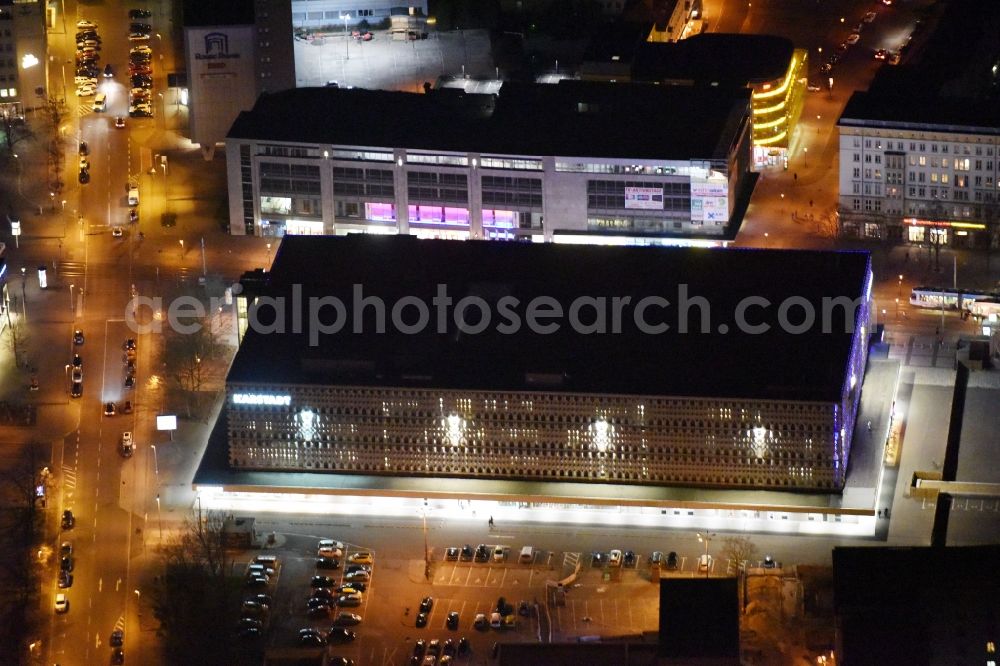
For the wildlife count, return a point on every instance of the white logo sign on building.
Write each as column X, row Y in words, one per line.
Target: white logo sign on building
column 644, row 198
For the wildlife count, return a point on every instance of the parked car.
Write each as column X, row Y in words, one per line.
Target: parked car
column 117, row 638
column 421, row 620
column 349, row 600
column 426, row 604
column 704, row 563
column 480, row 622
column 65, row 580
column 361, row 558
column 321, row 581
column 615, row 558
column 467, row 553
column 340, row 635
column 672, row 560
column 110, row 409
column 451, row 554
column 61, row 603
column 769, row 562
column 139, row 13
column 347, row 619
column 327, row 563
column 452, row 621
column 68, row 520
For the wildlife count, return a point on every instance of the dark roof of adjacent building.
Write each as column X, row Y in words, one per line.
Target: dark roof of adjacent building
column 903, row 108
column 206, row 13
column 700, row 619
column 726, row 59
column 773, row 364
column 571, row 118
column 918, row 605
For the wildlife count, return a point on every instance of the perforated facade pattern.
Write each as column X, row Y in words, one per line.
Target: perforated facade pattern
column 536, row 436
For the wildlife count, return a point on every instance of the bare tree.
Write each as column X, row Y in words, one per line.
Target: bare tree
column 15, row 130
column 188, row 356
column 21, row 529
column 196, row 590
column 739, row 549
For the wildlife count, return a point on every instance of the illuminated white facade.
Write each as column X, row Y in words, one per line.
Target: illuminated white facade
column 542, row 436
column 921, row 183
column 649, row 190
column 278, row 189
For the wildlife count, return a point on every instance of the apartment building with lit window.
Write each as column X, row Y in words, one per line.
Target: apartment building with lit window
column 23, row 57
column 573, row 162
column 699, row 403
column 920, row 171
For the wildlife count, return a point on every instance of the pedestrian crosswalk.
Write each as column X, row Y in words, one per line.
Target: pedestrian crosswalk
column 69, row 477
column 71, row 268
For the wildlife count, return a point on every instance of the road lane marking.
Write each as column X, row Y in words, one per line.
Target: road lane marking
column 100, row 584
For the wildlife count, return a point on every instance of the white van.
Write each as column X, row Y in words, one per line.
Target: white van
column 100, row 102
column 132, row 189
column 527, row 555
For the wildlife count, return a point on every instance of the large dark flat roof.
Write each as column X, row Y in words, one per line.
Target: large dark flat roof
column 775, row 364
column 571, row 118
column 917, row 605
column 730, row 59
column 206, row 13
column 901, row 107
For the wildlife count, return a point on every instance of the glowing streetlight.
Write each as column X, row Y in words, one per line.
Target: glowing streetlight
column 347, row 35
column 71, row 287
column 705, row 539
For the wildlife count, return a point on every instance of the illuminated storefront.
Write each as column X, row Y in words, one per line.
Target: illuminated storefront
column 627, row 192
column 777, row 106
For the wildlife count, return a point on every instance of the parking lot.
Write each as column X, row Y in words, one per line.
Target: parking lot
column 385, row 63
column 596, row 600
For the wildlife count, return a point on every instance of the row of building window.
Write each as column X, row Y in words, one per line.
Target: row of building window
column 757, row 478
column 922, row 146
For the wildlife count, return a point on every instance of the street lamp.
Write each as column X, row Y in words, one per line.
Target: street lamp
column 24, row 306
column 159, row 517
column 805, row 157
column 156, row 464
column 71, row 297
column 182, row 247
column 347, row 36
column 427, row 552
column 705, row 539
column 269, row 254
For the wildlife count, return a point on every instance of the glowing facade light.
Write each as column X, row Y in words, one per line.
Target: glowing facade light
column 601, row 432
column 454, row 429
column 307, row 420
column 758, row 440
column 28, row 60
column 262, row 399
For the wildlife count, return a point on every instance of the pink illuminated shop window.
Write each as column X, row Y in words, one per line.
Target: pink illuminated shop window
column 381, row 212
column 458, row 217
column 499, row 219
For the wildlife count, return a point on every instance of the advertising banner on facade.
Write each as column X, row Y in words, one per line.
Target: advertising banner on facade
column 709, row 200
column 644, row 198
